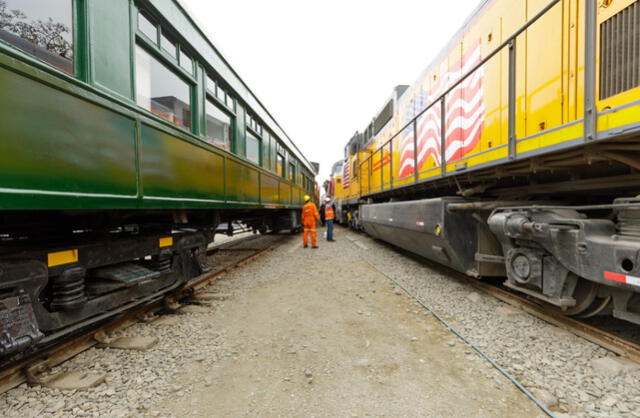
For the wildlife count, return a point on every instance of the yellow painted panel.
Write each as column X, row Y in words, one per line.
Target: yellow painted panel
column 475, row 160
column 62, row 257
column 544, row 68
column 549, row 87
column 165, row 242
column 551, row 138
column 619, row 118
column 403, row 181
column 434, row 172
column 619, row 100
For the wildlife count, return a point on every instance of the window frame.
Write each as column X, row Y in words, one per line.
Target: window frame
column 210, row 98
column 154, row 47
column 259, row 139
column 159, row 56
column 182, row 52
column 152, row 20
column 281, row 174
column 79, row 46
column 292, row 172
column 172, row 63
column 165, row 35
column 213, row 93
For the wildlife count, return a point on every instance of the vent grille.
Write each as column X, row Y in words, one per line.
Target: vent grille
column 385, row 116
column 620, row 52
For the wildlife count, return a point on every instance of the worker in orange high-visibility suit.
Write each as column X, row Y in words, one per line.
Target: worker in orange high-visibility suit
column 310, row 217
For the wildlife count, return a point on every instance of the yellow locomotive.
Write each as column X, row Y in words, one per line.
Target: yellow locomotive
column 516, row 154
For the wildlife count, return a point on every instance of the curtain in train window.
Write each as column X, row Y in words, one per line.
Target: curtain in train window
column 43, row 29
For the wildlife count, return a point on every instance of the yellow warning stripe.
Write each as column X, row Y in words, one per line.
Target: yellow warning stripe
column 165, row 242
column 62, row 257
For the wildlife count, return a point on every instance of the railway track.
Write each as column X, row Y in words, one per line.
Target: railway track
column 599, row 335
column 230, row 255
column 609, row 340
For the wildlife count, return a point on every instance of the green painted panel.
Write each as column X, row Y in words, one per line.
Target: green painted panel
column 242, row 183
column 285, row 193
column 52, row 142
column 110, row 27
column 269, row 189
column 174, row 168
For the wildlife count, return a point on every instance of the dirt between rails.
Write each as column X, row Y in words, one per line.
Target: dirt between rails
column 320, row 333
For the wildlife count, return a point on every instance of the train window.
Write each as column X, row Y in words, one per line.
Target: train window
column 147, row 27
column 218, row 126
column 186, row 62
column 168, row 45
column 229, row 102
column 221, row 94
column 211, row 85
column 161, row 91
column 41, row 29
column 292, row 172
column 253, row 148
column 254, row 125
column 280, row 165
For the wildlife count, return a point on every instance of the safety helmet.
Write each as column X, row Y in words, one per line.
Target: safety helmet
column 306, row 198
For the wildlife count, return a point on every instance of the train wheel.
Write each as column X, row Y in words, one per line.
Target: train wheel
column 588, row 303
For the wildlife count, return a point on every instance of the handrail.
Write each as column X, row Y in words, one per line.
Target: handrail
column 509, row 42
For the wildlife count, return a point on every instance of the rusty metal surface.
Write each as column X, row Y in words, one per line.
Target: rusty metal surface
column 18, row 325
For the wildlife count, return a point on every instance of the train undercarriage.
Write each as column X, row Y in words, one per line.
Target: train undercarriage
column 560, row 230
column 61, row 272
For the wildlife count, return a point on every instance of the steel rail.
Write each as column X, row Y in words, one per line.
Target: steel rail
column 457, row 333
column 604, row 339
column 41, row 361
column 598, row 336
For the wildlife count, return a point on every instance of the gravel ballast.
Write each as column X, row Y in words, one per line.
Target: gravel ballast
column 560, row 368
column 263, row 349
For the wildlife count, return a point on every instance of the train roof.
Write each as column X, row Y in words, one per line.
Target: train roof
column 188, row 26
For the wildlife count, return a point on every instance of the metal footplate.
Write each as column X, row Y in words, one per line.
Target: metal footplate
column 108, row 279
column 18, row 325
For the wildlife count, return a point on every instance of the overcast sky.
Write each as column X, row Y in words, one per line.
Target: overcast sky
column 324, row 69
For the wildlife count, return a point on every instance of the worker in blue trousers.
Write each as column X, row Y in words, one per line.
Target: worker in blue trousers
column 329, row 216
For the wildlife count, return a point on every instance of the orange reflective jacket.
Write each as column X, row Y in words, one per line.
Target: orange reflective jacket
column 328, row 213
column 310, row 213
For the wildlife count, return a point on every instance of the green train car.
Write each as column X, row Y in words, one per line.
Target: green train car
column 126, row 139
